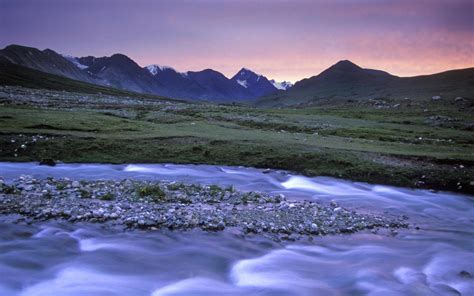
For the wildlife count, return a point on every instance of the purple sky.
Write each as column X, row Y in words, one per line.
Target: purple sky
column 286, row 40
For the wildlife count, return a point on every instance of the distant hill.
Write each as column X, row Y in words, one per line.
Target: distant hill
column 119, row 71
column 347, row 81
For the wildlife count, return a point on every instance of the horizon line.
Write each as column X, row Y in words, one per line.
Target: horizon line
column 240, row 68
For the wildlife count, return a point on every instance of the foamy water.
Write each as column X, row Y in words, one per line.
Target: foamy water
column 58, row 258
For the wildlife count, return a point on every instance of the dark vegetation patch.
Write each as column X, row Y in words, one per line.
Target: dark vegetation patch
column 268, row 125
column 154, row 192
column 50, row 127
column 277, row 126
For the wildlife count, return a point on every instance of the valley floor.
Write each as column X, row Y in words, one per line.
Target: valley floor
column 426, row 144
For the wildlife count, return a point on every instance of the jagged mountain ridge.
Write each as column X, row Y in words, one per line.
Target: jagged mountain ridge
column 121, row 72
column 342, row 81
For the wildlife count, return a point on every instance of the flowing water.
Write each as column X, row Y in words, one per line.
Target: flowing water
column 59, row 258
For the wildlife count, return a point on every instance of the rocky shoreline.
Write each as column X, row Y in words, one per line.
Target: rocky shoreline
column 168, row 205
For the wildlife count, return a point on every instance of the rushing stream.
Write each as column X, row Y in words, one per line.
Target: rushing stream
column 435, row 256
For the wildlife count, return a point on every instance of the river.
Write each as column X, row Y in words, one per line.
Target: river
column 435, row 256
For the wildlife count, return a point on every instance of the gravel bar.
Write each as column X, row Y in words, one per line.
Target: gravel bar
column 176, row 206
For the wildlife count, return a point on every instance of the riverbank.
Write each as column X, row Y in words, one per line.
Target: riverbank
column 150, row 205
column 426, row 144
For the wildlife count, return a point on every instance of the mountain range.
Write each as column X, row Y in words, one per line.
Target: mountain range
column 344, row 81
column 119, row 71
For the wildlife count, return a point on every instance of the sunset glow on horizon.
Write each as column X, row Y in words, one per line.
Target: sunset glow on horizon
column 283, row 40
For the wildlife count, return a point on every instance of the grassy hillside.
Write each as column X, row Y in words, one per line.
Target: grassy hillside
column 321, row 90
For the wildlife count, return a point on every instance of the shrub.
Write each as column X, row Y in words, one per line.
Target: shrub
column 60, row 186
column 107, row 196
column 214, row 190
column 7, row 189
column 85, row 193
column 153, row 191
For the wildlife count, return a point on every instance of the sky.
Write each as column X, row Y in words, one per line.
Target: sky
column 281, row 39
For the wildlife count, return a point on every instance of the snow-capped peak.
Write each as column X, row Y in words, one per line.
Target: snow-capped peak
column 154, row 69
column 75, row 61
column 284, row 85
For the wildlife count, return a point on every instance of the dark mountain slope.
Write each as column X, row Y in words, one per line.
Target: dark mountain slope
column 256, row 85
column 347, row 81
column 122, row 72
column 177, row 84
column 46, row 61
column 218, row 87
column 345, row 72
column 16, row 75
